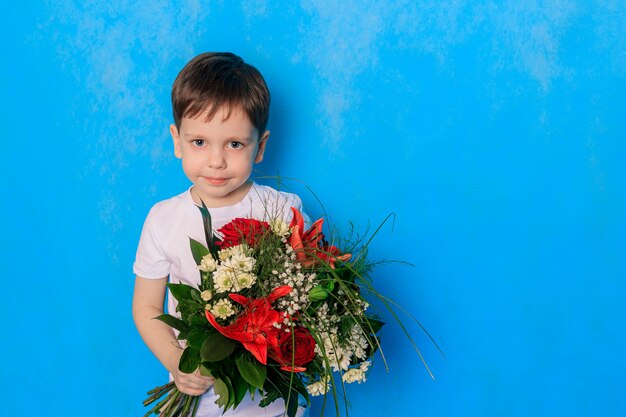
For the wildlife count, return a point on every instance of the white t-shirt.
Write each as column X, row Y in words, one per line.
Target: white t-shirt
column 164, row 251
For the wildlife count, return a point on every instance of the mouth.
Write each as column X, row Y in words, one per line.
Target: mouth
column 215, row 180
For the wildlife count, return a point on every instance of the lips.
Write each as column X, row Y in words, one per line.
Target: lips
column 215, row 180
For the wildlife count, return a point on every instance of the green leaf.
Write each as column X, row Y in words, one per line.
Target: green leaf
column 376, row 325
column 174, row 322
column 299, row 388
column 216, row 347
column 189, row 308
column 198, row 251
column 189, row 360
column 195, row 295
column 196, row 338
column 292, row 404
column 252, row 371
column 240, row 388
column 199, row 321
column 221, row 390
column 208, row 228
column 231, row 393
column 204, row 370
column 180, row 291
column 318, row 293
column 271, row 395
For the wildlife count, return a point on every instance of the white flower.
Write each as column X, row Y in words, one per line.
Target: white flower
column 240, row 263
column 206, row 295
column 346, row 358
column 243, row 280
column 318, row 388
column 338, row 355
column 208, row 263
column 223, row 279
column 223, row 309
column 353, row 375
column 238, row 250
column 279, row 227
column 358, row 342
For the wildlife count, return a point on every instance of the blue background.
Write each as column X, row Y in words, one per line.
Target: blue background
column 494, row 130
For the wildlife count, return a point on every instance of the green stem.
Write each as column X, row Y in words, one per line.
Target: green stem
column 158, row 394
column 196, row 402
column 187, row 405
column 175, row 396
column 157, row 408
column 161, row 388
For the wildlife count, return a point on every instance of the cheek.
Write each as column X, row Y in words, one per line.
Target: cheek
column 191, row 163
column 243, row 161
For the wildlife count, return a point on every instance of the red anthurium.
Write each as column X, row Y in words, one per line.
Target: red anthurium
column 309, row 245
column 255, row 327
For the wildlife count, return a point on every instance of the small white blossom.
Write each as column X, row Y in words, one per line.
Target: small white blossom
column 223, row 309
column 206, row 295
column 208, row 263
column 344, row 362
column 240, row 263
column 318, row 388
column 238, row 250
column 353, row 375
column 223, row 279
column 243, row 280
column 358, row 342
column 279, row 227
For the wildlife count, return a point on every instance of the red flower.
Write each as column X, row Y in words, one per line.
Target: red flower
column 241, row 230
column 255, row 327
column 294, row 349
column 310, row 246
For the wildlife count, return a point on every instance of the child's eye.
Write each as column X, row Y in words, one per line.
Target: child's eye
column 235, row 145
column 198, row 142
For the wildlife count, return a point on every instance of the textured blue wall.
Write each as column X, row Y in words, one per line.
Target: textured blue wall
column 495, row 130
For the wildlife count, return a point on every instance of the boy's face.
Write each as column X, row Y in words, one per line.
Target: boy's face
column 218, row 155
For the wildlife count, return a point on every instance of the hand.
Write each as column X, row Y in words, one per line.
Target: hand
column 192, row 384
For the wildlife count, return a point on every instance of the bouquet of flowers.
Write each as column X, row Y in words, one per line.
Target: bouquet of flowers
column 278, row 310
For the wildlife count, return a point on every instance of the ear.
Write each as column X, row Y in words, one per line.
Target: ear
column 176, row 139
column 261, row 148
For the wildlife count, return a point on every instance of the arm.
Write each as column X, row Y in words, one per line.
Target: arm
column 148, row 300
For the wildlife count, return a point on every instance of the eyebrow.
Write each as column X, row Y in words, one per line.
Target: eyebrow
column 231, row 138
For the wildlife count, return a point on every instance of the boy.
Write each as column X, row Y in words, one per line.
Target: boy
column 221, row 107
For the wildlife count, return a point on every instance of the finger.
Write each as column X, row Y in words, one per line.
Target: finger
column 194, row 392
column 200, row 379
column 197, row 383
column 205, row 377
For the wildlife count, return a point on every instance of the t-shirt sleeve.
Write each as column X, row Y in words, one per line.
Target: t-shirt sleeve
column 150, row 261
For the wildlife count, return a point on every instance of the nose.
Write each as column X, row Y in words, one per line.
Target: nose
column 215, row 159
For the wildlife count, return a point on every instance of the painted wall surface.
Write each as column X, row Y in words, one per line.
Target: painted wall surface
column 494, row 130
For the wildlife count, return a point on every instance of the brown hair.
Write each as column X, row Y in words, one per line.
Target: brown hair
column 216, row 80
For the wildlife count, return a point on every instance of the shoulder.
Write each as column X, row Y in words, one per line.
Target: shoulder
column 163, row 215
column 169, row 206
